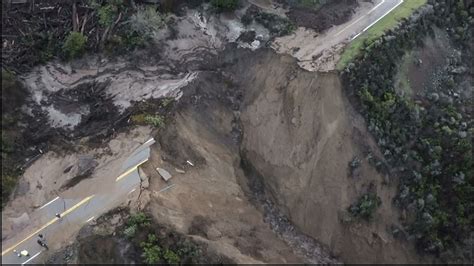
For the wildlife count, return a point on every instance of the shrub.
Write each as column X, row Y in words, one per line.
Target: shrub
column 277, row 25
column 74, row 45
column 139, row 219
column 188, row 250
column 225, row 5
column 107, row 15
column 151, row 253
column 365, row 206
column 138, row 119
column 130, row 231
column 171, row 257
column 166, row 102
column 146, row 22
column 354, row 164
column 154, row 120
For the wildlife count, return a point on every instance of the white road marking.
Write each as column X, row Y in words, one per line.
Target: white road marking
column 48, row 224
column 90, row 219
column 372, row 10
column 31, row 258
column 152, row 139
column 49, row 203
column 364, row 30
column 132, row 190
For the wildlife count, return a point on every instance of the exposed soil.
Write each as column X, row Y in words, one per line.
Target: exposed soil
column 275, row 97
column 423, row 68
column 207, row 202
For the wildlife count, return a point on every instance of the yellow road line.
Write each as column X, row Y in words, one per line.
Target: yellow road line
column 49, row 223
column 130, row 170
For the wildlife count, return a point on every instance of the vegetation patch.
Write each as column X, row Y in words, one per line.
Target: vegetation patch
column 278, row 26
column 157, row 245
column 135, row 222
column 366, row 206
column 148, row 119
column 390, row 21
column 74, row 45
column 225, row 5
column 428, row 141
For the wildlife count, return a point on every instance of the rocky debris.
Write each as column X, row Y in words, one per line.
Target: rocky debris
column 144, row 180
column 277, row 25
column 67, row 255
column 322, row 18
column 247, row 36
column 280, row 224
column 213, row 234
column 86, row 165
column 116, row 219
column 179, row 171
column 164, row 174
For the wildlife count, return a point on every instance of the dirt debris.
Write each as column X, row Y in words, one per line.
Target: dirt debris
column 319, row 51
column 324, row 17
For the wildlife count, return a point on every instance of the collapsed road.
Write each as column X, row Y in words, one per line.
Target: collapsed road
column 75, row 212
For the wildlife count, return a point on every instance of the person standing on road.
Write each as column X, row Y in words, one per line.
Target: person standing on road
column 58, row 215
column 41, row 243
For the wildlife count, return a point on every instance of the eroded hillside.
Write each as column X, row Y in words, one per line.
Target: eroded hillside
column 275, row 156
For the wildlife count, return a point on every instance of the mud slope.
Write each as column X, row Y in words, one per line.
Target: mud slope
column 206, row 201
column 299, row 134
column 297, row 131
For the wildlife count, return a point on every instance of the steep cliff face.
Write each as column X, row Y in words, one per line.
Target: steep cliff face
column 300, row 134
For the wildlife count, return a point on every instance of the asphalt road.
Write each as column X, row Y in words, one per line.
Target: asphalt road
column 363, row 23
column 325, row 46
column 75, row 212
column 358, row 25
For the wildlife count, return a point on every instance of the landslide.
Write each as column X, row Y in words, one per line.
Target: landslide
column 299, row 134
column 286, row 136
